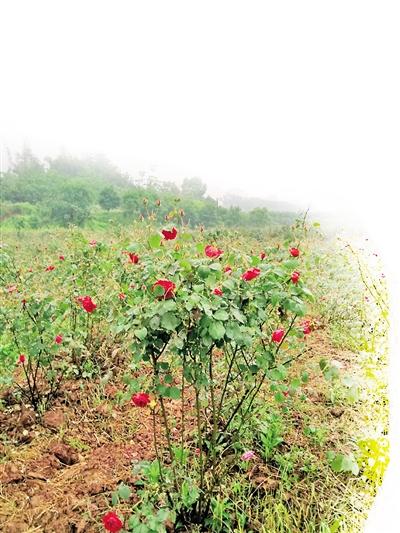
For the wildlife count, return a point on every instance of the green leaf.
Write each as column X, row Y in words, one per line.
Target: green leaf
column 203, row 271
column 279, row 397
column 216, row 330
column 154, row 241
column 172, row 392
column 170, row 321
column 185, row 265
column 141, row 334
column 304, row 377
column 158, row 291
column 238, row 315
column 308, row 293
column 200, row 247
column 221, row 315
column 124, row 492
column 295, row 384
column 155, row 322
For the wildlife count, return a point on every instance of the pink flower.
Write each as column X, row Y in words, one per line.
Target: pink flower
column 133, row 258
column 112, row 522
column 170, row 235
column 121, row 296
column 251, row 274
column 212, row 251
column 295, row 277
column 228, row 270
column 278, row 335
column 217, row 291
column 140, row 399
column 87, row 303
column 294, row 252
column 263, row 255
column 248, row 455
column 61, row 257
column 93, row 243
column 58, row 339
column 168, row 286
column 306, row 327
column 12, row 288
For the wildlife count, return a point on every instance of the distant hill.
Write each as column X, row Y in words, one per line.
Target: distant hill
column 247, row 204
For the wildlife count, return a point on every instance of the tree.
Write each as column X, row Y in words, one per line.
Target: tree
column 73, row 206
column 26, row 163
column 259, row 217
column 65, row 214
column 109, row 199
column 193, row 188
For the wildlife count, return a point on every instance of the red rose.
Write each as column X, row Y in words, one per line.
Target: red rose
column 295, row 277
column 168, row 286
column 263, row 255
column 61, row 257
column 217, row 291
column 278, row 335
column 170, row 235
column 228, row 270
column 21, row 359
column 121, row 296
column 87, row 303
column 212, row 251
column 294, row 252
column 251, row 274
column 140, row 399
column 133, row 258
column 50, row 268
column 58, row 339
column 112, row 523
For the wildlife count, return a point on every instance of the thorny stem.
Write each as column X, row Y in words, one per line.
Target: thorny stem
column 154, row 359
column 159, row 459
column 183, row 408
column 255, row 388
column 200, row 443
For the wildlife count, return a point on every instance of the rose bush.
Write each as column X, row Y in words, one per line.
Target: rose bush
column 214, row 325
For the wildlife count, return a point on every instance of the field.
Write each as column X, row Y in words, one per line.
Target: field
column 190, row 380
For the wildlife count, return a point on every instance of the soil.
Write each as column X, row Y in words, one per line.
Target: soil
column 57, row 472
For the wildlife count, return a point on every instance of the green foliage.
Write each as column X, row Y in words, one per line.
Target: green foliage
column 69, row 191
column 373, row 458
column 343, row 463
column 109, row 198
column 193, row 187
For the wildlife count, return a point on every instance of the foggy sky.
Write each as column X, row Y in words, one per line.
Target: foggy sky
column 289, row 101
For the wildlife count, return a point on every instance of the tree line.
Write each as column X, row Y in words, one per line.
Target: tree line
column 67, row 190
